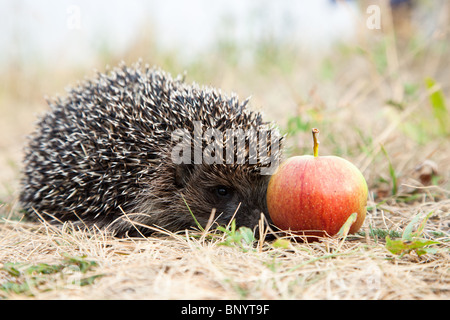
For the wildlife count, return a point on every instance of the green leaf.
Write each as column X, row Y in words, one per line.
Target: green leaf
column 402, row 247
column 242, row 238
column 408, row 233
column 343, row 231
column 395, row 246
column 247, row 235
column 281, row 243
column 419, row 230
column 411, row 240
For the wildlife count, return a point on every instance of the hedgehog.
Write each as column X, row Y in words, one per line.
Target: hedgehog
column 134, row 149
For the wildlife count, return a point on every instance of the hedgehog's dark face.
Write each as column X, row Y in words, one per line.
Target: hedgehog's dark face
column 230, row 190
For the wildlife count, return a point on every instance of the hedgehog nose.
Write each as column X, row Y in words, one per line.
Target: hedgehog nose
column 258, row 214
column 267, row 222
column 267, row 216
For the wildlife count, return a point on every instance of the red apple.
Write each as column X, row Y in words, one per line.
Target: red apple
column 316, row 194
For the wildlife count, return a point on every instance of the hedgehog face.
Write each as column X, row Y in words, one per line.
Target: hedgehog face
column 233, row 191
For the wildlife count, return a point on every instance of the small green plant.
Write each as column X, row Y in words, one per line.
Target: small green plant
column 29, row 277
column 378, row 233
column 242, row 238
column 412, row 240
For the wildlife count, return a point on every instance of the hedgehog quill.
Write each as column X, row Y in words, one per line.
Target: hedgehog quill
column 131, row 147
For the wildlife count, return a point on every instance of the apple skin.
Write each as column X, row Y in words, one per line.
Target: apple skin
column 316, row 193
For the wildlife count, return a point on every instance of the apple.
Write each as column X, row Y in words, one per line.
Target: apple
column 316, row 195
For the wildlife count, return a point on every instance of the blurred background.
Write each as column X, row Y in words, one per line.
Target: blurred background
column 374, row 76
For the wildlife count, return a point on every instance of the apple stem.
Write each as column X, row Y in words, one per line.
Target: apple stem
column 315, row 133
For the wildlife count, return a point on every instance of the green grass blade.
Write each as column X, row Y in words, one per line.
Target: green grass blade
column 391, row 171
column 195, row 219
column 437, row 101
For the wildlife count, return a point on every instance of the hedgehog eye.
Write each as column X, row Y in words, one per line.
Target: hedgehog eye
column 223, row 191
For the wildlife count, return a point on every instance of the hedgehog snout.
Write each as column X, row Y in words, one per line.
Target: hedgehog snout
column 251, row 217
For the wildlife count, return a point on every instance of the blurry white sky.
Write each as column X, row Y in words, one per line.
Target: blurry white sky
column 47, row 29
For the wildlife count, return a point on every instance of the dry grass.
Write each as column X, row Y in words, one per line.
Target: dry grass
column 365, row 97
column 185, row 265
